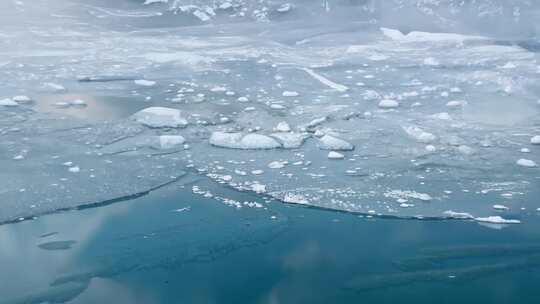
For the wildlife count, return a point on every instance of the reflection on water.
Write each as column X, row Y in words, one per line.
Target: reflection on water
column 95, row 108
column 145, row 251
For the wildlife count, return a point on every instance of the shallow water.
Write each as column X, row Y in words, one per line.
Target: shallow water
column 176, row 246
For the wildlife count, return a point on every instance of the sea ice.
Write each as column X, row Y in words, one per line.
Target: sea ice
column 388, row 104
column 328, row 142
column 145, row 83
column 243, row 141
column 335, row 155
column 160, row 117
column 496, row 220
column 526, row 163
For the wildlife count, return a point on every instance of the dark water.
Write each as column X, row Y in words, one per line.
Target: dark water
column 173, row 246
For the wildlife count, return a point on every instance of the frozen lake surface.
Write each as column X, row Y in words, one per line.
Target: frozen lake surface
column 207, row 128
column 351, row 115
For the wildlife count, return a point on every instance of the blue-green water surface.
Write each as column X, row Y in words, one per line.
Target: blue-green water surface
column 173, row 246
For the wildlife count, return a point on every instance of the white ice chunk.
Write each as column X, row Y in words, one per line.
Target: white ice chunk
column 54, row 87
column 496, row 220
column 7, row 102
column 419, row 135
column 526, row 163
column 290, row 94
column 145, row 83
column 277, row 164
column 241, row 141
column 388, row 104
column 293, row 198
column 431, row 61
column 160, row 117
column 290, row 140
column 78, row 102
column 328, row 142
column 21, row 98
column 147, row 2
column 416, row 36
column 458, row 215
column 535, row 140
column 500, row 207
column 456, row 103
column 282, row 127
column 171, row 141
column 335, row 155
column 327, row 82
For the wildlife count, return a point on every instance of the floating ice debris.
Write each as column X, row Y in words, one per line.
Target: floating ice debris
column 218, row 89
column 147, row 2
column 62, row 104
column 277, row 106
column 405, row 205
column 7, row 102
column 257, row 172
column 401, row 194
column 74, row 169
column 525, row 150
column 526, row 163
column 335, row 155
column 290, row 140
column 183, row 209
column 160, row 117
column 78, row 102
column 388, row 104
column 419, row 135
column 456, row 103
column 416, row 36
column 21, row 98
column 282, row 127
column 290, row 94
column 293, row 198
column 285, row 7
column 431, row 61
column 145, row 83
column 496, row 220
column 327, row 82
column 256, row 187
column 54, row 87
column 243, row 99
column 458, row 215
column 442, row 116
column 317, row 121
column 535, row 140
column 465, row 150
column 171, row 141
column 243, row 141
column 370, row 95
column 500, row 207
column 18, row 157
column 277, row 164
column 328, row 142
column 430, row 148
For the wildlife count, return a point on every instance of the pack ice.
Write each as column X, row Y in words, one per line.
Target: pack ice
column 405, row 122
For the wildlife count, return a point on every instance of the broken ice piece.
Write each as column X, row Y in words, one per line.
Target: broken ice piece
column 335, row 155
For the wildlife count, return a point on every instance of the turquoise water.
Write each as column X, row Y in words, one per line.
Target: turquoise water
column 173, row 246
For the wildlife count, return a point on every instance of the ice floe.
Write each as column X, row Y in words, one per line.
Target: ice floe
column 526, row 163
column 160, row 117
column 328, row 142
column 243, row 141
column 496, row 220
